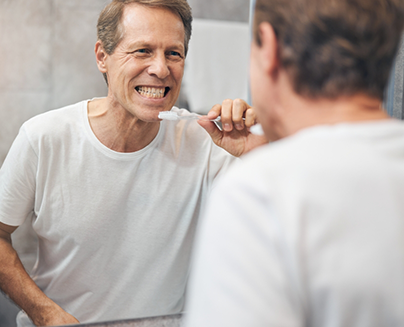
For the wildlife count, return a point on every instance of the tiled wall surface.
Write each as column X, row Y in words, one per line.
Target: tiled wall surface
column 47, row 61
column 229, row 10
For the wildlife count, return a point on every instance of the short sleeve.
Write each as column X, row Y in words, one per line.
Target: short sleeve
column 18, row 181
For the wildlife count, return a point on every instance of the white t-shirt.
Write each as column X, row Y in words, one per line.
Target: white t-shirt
column 115, row 229
column 307, row 231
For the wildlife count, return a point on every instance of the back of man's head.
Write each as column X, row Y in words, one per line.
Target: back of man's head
column 332, row 48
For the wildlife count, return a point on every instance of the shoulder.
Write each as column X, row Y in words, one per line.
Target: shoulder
column 54, row 126
column 280, row 163
column 273, row 160
column 322, row 155
column 55, row 119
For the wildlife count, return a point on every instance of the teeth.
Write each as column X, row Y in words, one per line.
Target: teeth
column 151, row 92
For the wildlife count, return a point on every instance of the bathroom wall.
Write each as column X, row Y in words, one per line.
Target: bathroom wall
column 228, row 10
column 47, row 61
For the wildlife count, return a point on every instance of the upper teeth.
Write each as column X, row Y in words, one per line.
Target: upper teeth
column 151, row 92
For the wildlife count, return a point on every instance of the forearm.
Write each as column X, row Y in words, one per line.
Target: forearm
column 18, row 285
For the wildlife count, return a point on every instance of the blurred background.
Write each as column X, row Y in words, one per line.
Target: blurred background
column 47, row 61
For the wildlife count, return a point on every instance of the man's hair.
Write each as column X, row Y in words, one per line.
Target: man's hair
column 332, row 48
column 110, row 30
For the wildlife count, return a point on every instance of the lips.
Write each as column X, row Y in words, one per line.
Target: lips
column 152, row 92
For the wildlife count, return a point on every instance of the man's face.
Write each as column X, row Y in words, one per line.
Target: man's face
column 146, row 68
column 258, row 87
column 263, row 92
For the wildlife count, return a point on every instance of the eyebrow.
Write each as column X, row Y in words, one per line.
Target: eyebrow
column 145, row 44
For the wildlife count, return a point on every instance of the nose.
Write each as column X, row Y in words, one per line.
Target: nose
column 159, row 67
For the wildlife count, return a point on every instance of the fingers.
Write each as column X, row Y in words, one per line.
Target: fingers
column 250, row 117
column 232, row 113
column 215, row 111
column 238, row 109
column 226, row 114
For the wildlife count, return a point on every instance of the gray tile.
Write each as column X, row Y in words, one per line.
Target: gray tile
column 75, row 75
column 92, row 4
column 25, row 42
column 15, row 109
column 230, row 10
column 8, row 312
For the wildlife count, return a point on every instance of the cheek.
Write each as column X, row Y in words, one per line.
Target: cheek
column 255, row 85
column 262, row 115
column 253, row 62
column 255, row 82
column 178, row 72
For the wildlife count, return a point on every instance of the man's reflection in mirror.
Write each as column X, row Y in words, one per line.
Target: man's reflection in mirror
column 113, row 192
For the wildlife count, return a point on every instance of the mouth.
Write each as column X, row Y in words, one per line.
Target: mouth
column 152, row 92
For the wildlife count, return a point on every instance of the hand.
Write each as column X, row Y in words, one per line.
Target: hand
column 59, row 318
column 20, row 287
column 235, row 137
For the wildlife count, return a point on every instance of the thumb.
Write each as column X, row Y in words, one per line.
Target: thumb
column 212, row 130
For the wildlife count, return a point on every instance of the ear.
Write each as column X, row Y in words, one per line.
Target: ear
column 100, row 57
column 269, row 48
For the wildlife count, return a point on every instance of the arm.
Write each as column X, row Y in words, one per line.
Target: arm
column 235, row 137
column 19, row 286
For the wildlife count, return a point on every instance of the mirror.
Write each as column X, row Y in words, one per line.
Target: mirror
column 50, row 63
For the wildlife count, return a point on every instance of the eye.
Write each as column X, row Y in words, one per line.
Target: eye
column 174, row 54
column 141, row 52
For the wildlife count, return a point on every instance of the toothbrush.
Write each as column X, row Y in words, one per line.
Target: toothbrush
column 171, row 115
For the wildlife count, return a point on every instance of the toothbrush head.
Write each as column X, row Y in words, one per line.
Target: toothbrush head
column 168, row 115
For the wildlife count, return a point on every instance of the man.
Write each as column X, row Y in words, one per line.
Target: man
column 113, row 192
column 309, row 230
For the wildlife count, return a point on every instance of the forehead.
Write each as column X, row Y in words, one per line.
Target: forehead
column 149, row 23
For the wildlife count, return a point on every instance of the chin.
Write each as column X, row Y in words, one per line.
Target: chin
column 150, row 117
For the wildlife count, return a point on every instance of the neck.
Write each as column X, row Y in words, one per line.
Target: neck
column 296, row 112
column 117, row 129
